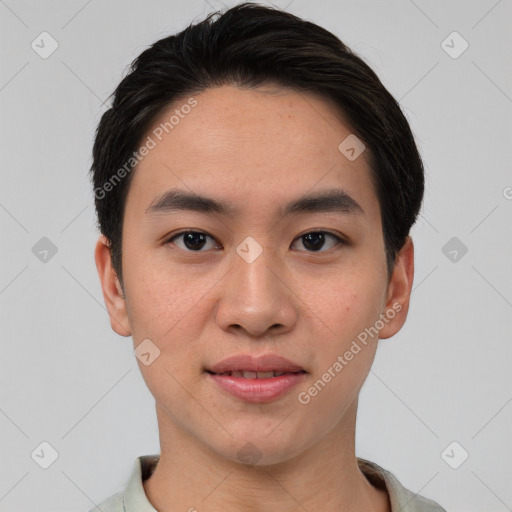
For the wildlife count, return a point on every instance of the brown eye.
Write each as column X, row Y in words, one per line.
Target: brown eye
column 315, row 240
column 192, row 241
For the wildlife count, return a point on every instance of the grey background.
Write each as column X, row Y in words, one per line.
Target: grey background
column 67, row 379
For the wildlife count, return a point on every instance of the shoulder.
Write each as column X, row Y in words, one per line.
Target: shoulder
column 112, row 504
column 401, row 499
column 416, row 503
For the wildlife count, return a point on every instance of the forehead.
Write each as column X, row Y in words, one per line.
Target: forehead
column 252, row 148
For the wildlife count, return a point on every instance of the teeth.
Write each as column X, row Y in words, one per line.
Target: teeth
column 253, row 375
column 264, row 375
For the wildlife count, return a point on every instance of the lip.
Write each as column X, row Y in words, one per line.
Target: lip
column 264, row 363
column 257, row 390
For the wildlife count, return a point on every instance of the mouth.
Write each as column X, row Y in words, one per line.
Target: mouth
column 248, row 366
column 246, row 374
column 256, row 379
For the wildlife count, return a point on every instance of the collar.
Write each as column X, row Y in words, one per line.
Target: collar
column 403, row 500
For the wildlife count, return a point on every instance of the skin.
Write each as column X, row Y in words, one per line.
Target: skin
column 257, row 149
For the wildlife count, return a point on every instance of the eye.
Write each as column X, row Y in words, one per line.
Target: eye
column 315, row 240
column 192, row 240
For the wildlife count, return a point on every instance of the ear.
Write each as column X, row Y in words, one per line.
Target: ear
column 112, row 291
column 399, row 291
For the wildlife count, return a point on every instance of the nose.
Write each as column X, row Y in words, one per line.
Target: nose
column 257, row 298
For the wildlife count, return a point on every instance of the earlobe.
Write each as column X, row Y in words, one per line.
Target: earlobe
column 399, row 291
column 112, row 290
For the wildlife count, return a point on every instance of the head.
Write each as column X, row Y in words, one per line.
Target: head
column 304, row 161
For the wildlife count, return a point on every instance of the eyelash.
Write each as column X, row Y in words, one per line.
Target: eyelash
column 339, row 240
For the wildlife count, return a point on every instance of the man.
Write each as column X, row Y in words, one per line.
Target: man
column 255, row 186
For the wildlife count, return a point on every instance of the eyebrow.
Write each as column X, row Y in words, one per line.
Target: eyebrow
column 332, row 200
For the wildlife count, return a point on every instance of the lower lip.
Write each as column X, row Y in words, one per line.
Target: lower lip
column 258, row 390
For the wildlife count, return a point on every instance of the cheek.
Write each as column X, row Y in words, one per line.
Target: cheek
column 345, row 343
column 345, row 352
column 346, row 309
column 160, row 302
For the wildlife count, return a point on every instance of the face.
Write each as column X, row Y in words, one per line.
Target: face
column 256, row 277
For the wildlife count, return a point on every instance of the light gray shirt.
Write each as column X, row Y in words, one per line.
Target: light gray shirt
column 134, row 499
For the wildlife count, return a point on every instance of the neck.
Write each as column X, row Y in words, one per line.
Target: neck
column 325, row 476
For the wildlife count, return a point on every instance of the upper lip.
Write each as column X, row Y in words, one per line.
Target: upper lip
column 264, row 363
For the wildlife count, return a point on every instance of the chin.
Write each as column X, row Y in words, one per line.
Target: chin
column 259, row 449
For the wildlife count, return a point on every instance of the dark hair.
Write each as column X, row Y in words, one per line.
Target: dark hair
column 247, row 46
